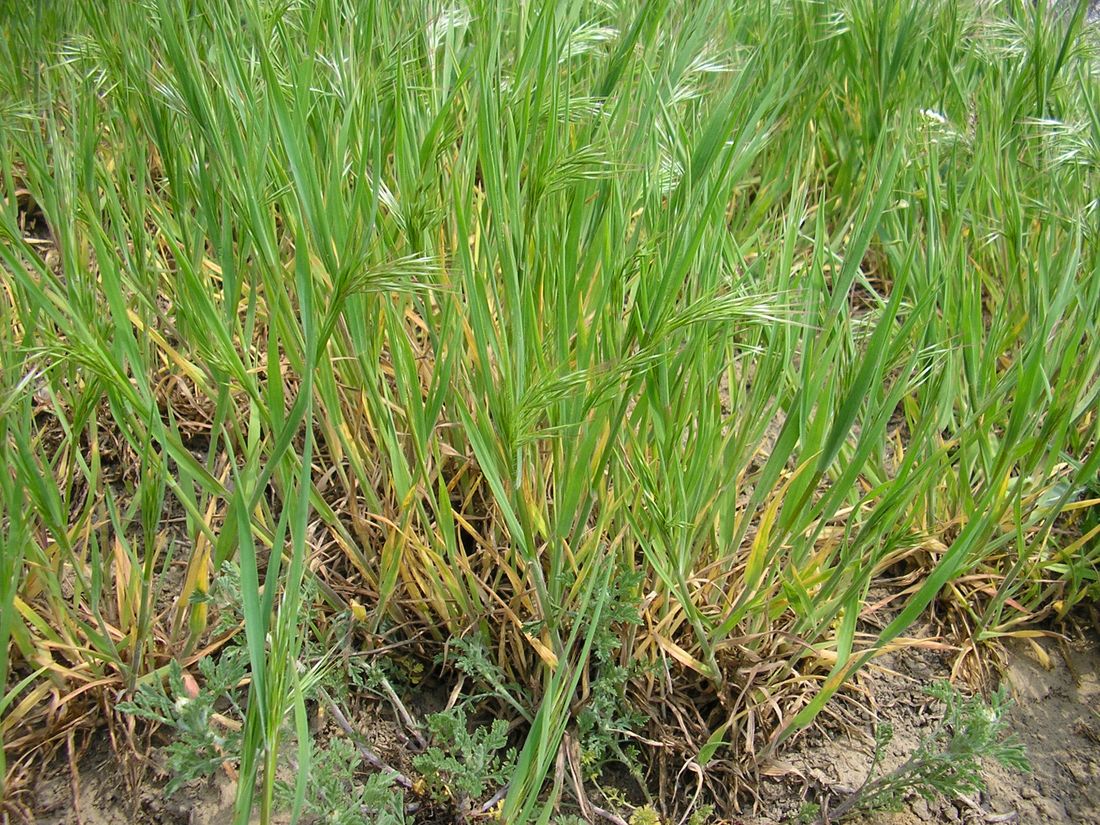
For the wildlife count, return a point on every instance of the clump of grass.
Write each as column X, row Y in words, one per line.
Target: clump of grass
column 452, row 314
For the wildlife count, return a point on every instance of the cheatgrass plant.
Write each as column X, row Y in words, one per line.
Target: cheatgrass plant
column 783, row 311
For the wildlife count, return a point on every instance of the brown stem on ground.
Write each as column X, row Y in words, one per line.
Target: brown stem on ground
column 608, row 815
column 403, row 712
column 493, row 800
column 369, row 756
column 74, row 777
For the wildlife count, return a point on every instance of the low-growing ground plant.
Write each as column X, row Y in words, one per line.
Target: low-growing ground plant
column 204, row 736
column 463, row 764
column 340, row 794
column 947, row 762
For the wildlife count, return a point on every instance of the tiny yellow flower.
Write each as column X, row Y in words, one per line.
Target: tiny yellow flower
column 358, row 612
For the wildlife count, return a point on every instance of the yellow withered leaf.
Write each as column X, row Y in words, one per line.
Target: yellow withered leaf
column 545, row 653
column 683, row 657
column 1041, row 655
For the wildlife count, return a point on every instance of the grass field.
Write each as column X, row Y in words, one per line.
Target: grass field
column 632, row 372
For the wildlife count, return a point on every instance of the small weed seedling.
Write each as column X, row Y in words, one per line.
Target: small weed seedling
column 946, row 763
column 204, row 739
column 338, row 796
column 461, row 765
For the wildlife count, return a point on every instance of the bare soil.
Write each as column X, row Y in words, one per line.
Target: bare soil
column 1055, row 684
